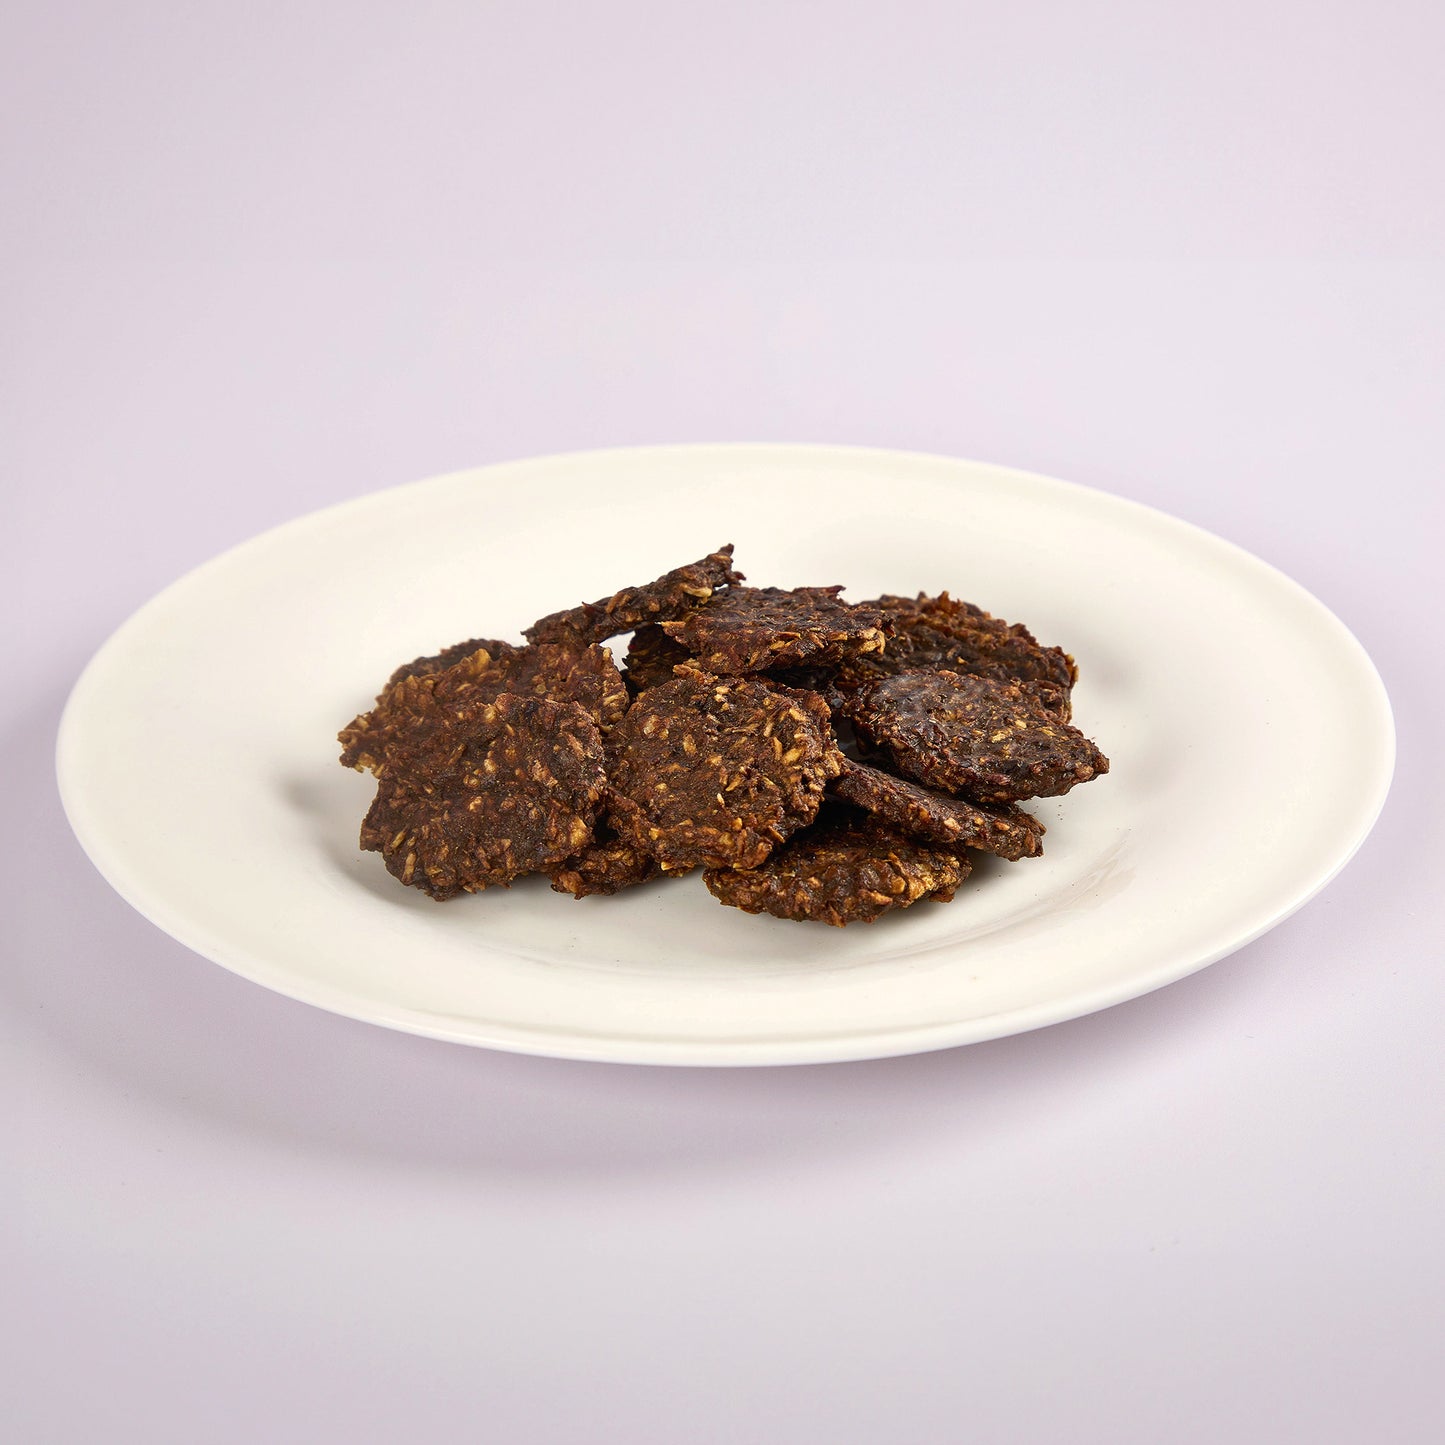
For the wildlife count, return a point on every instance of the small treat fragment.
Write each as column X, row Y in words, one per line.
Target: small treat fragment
column 651, row 657
column 718, row 771
column 1050, row 696
column 940, row 634
column 448, row 657
column 606, row 865
column 750, row 629
column 672, row 595
column 846, row 868
column 973, row 735
column 586, row 676
column 999, row 828
column 477, row 791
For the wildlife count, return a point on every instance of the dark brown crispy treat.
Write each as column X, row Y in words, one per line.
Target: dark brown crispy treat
column 973, row 735
column 718, row 771
column 749, row 629
column 998, row 828
column 939, row 634
column 846, row 868
column 608, row 863
column 586, row 676
column 673, row 595
column 478, row 791
column 448, row 657
column 651, row 656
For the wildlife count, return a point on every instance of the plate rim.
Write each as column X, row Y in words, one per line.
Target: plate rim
column 617, row 1048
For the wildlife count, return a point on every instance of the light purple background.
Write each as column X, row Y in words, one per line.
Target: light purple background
column 263, row 257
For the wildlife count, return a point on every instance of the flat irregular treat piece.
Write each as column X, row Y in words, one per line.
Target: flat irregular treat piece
column 448, row 657
column 846, row 868
column 651, row 657
column 586, row 676
column 672, row 595
column 973, row 735
column 607, row 864
column 998, row 828
column 749, row 629
column 479, row 791
column 718, row 771
column 939, row 634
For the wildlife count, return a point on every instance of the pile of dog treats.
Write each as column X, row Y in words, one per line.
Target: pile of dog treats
column 818, row 759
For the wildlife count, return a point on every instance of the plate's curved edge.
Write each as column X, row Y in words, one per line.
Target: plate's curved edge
column 823, row 1049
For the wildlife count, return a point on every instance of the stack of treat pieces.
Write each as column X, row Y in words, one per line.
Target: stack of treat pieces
column 817, row 759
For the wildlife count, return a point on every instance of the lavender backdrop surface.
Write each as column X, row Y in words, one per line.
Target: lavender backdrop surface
column 262, row 258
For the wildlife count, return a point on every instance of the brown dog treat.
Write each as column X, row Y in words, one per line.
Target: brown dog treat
column 999, row 828
column 718, row 771
column 939, row 634
column 846, row 868
column 967, row 734
column 749, row 629
column 477, row 792
column 672, row 595
column 586, row 676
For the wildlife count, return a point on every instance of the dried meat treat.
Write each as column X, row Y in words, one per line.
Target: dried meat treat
column 606, row 865
column 998, row 828
column 973, row 735
column 673, row 595
column 586, row 676
column 749, row 629
column 939, row 634
column 448, row 657
column 651, row 657
column 718, row 771
column 846, row 868
column 478, row 792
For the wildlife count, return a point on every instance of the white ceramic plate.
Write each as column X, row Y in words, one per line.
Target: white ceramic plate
column 1250, row 736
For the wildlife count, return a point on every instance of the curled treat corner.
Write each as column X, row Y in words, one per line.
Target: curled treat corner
column 671, row 596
